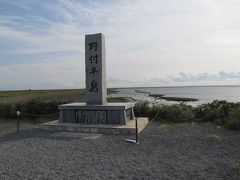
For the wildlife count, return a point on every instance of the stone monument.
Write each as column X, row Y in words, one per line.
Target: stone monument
column 96, row 110
column 96, row 90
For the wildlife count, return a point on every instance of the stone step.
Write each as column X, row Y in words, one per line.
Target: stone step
column 129, row 128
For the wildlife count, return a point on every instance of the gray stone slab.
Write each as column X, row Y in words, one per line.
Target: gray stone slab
column 96, row 90
column 91, row 117
column 111, row 113
column 108, row 106
column 129, row 128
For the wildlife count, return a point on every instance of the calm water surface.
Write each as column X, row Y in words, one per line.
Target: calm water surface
column 205, row 94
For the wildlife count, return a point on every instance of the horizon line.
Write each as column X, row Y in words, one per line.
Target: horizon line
column 123, row 87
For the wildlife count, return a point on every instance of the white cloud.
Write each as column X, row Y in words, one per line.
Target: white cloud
column 148, row 42
column 67, row 73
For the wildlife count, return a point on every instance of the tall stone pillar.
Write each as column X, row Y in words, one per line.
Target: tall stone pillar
column 95, row 64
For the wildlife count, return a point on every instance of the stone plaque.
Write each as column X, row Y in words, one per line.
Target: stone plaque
column 96, row 91
column 91, row 117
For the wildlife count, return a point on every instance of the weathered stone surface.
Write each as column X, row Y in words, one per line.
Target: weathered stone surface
column 96, row 91
column 129, row 128
column 112, row 113
column 84, row 106
column 91, row 117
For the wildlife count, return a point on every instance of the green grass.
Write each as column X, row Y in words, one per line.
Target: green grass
column 236, row 167
column 3, row 125
column 233, row 121
column 72, row 95
column 182, row 99
column 157, row 96
column 221, row 113
column 45, row 95
column 164, row 126
column 43, row 102
column 213, row 137
column 168, row 98
column 139, row 91
column 9, row 94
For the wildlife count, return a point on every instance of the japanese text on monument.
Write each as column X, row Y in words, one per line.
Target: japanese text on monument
column 93, row 46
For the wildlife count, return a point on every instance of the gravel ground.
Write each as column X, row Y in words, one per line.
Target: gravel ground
column 182, row 151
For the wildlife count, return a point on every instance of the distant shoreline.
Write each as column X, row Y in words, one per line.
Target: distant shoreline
column 136, row 87
column 175, row 86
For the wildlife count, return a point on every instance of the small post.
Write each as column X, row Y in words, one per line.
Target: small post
column 136, row 130
column 18, row 115
column 136, row 133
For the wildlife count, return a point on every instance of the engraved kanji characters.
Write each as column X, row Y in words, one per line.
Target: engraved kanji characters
column 94, row 87
column 93, row 70
column 93, row 59
column 93, row 46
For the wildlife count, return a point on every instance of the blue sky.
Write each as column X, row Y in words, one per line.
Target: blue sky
column 149, row 42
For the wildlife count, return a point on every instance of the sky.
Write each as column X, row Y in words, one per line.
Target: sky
column 148, row 42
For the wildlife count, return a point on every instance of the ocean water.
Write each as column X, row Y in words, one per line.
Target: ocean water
column 205, row 94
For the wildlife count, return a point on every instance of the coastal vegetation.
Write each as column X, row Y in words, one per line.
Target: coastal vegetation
column 182, row 99
column 44, row 102
column 169, row 98
column 157, row 96
column 139, row 91
column 44, row 95
column 236, row 167
column 3, row 125
column 212, row 137
column 222, row 113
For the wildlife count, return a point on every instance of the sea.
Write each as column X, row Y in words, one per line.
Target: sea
column 204, row 94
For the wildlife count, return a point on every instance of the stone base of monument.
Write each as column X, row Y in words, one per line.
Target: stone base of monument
column 128, row 128
column 111, row 113
column 112, row 118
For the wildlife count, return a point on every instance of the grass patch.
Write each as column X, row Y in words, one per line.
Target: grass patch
column 139, row 91
column 117, row 99
column 157, row 96
column 42, row 102
column 112, row 91
column 142, row 109
column 233, row 121
column 218, row 112
column 44, row 95
column 176, row 113
column 212, row 137
column 236, row 167
column 164, row 126
column 182, row 99
column 168, row 98
column 35, row 107
column 10, row 94
column 3, row 126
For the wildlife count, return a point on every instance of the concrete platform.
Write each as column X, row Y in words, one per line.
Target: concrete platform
column 129, row 128
column 84, row 106
column 109, row 113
